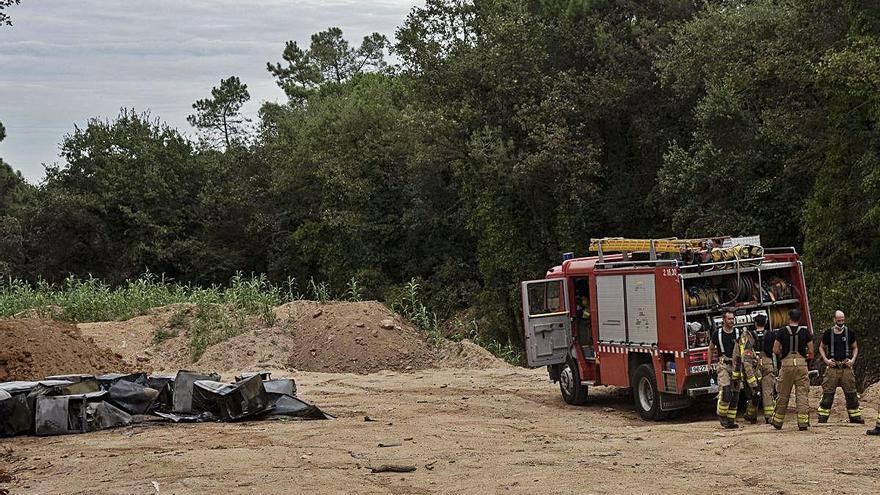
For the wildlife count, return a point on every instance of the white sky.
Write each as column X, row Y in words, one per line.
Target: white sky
column 63, row 61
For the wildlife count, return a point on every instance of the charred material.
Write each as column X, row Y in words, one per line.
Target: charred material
column 65, row 404
column 230, row 402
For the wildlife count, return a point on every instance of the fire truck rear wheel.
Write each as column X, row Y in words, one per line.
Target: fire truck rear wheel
column 570, row 383
column 645, row 393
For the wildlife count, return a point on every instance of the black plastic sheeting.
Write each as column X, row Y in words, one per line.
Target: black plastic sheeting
column 65, row 404
column 132, row 397
column 285, row 405
column 164, row 384
column 70, row 378
column 264, row 375
column 231, row 401
column 284, row 386
column 63, row 414
column 15, row 415
column 187, row 418
column 107, row 381
column 183, row 389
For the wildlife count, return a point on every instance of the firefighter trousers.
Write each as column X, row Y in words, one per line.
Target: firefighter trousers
column 844, row 378
column 768, row 384
column 752, row 375
column 793, row 374
column 728, row 391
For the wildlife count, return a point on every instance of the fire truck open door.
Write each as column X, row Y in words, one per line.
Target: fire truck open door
column 546, row 321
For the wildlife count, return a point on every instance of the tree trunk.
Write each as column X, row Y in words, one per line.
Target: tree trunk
column 225, row 130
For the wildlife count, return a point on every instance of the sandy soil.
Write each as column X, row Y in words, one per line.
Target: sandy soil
column 36, row 348
column 465, row 431
column 362, row 337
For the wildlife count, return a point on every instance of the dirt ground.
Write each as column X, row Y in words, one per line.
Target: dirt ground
column 465, row 431
column 469, row 423
column 36, row 348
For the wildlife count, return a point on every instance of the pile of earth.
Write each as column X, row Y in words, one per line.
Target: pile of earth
column 33, row 348
column 870, row 397
column 338, row 337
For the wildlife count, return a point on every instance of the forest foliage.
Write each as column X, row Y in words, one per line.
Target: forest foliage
column 487, row 139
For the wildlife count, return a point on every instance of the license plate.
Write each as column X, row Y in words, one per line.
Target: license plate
column 703, row 368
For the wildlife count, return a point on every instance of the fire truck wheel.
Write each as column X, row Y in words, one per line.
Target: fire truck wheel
column 570, row 383
column 645, row 393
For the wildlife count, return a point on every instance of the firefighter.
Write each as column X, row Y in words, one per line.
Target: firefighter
column 726, row 340
column 794, row 346
column 745, row 364
column 582, row 317
column 839, row 349
column 766, row 366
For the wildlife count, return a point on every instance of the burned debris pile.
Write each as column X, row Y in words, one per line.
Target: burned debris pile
column 65, row 404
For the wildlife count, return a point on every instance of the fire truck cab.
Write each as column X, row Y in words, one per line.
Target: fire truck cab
column 639, row 314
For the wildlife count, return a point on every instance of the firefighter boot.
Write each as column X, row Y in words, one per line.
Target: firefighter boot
column 769, row 406
column 754, row 398
column 803, row 421
column 824, row 409
column 852, row 408
column 876, row 430
column 731, row 412
column 751, row 415
column 729, row 423
column 727, row 402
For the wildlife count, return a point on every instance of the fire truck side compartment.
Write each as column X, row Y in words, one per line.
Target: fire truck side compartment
column 611, row 300
column 641, row 309
column 627, row 312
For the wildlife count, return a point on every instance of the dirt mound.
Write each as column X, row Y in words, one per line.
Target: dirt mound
column 870, row 397
column 344, row 337
column 134, row 339
column 36, row 348
column 466, row 354
column 359, row 337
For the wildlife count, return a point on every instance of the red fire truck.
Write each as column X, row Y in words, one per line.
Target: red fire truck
column 639, row 313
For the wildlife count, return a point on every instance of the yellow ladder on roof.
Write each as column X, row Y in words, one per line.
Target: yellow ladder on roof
column 660, row 245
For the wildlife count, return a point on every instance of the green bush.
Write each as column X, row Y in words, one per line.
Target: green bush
column 408, row 303
column 163, row 334
column 212, row 324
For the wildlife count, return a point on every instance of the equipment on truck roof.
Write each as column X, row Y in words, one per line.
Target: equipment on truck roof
column 609, row 244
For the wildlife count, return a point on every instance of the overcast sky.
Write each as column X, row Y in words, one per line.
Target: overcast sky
column 63, row 62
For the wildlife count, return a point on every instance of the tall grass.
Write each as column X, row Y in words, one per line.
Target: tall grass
column 319, row 291
column 221, row 311
column 409, row 304
column 212, row 324
column 354, row 291
column 81, row 300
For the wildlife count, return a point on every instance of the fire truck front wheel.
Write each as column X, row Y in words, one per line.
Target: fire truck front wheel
column 570, row 385
column 645, row 393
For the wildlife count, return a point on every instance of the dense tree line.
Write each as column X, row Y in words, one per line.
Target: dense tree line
column 509, row 132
